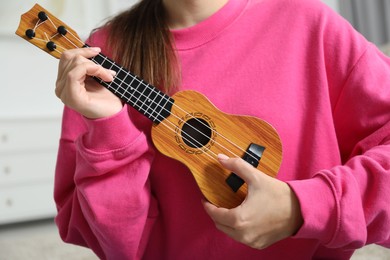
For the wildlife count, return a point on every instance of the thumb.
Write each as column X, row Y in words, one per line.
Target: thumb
column 240, row 167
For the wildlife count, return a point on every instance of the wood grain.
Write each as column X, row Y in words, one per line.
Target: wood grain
column 229, row 134
column 233, row 135
column 47, row 31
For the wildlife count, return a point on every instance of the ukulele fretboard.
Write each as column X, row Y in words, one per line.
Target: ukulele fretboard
column 142, row 96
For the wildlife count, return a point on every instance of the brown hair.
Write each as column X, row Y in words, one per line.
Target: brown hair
column 140, row 40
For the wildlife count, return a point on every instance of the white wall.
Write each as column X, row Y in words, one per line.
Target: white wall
column 332, row 3
column 30, row 72
column 28, row 88
column 30, row 113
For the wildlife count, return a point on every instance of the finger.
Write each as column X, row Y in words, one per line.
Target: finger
column 231, row 232
column 91, row 69
column 85, row 52
column 102, row 73
column 221, row 216
column 72, row 57
column 224, row 220
column 237, row 165
column 76, row 77
column 95, row 70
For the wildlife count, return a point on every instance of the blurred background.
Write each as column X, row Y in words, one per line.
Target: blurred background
column 30, row 117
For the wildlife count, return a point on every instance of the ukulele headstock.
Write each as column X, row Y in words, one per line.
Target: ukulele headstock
column 44, row 30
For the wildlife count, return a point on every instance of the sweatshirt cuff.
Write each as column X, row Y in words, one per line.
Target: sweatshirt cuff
column 318, row 207
column 110, row 133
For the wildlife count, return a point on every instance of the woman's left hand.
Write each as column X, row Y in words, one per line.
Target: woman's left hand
column 270, row 212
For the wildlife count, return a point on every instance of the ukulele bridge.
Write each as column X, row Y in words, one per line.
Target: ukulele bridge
column 252, row 156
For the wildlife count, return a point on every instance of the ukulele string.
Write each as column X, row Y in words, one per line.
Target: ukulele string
column 112, row 64
column 119, row 86
column 52, row 23
column 141, row 82
column 47, row 37
column 38, row 23
column 109, row 85
column 172, row 127
column 163, row 108
column 157, row 104
column 205, row 151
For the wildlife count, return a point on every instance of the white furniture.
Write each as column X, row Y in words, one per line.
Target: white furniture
column 27, row 160
column 30, row 121
column 30, row 114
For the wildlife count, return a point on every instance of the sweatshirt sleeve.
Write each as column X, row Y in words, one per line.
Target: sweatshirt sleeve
column 347, row 206
column 102, row 190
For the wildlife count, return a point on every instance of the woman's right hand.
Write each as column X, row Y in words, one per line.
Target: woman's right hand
column 78, row 90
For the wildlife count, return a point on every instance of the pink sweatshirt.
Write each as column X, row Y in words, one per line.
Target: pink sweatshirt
column 293, row 63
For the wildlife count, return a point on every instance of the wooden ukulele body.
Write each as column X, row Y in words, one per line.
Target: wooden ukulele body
column 230, row 135
column 188, row 127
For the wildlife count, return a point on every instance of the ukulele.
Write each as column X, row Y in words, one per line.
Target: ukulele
column 186, row 127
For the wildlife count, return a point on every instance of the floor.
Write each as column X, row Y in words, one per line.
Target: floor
column 39, row 240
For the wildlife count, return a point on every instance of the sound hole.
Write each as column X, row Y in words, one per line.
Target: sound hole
column 196, row 132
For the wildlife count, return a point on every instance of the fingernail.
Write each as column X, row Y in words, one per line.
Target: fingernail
column 222, row 157
column 96, row 49
column 113, row 72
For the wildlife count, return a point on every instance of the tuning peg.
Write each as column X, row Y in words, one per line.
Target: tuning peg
column 30, row 33
column 42, row 16
column 51, row 46
column 62, row 30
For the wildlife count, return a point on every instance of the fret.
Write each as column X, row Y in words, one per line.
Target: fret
column 152, row 100
column 122, row 75
column 127, row 98
column 133, row 91
column 128, row 82
column 146, row 98
column 142, row 96
column 154, row 115
column 117, row 83
column 164, row 109
column 107, row 63
column 98, row 59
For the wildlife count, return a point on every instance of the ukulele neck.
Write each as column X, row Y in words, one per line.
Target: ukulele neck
column 50, row 34
column 142, row 96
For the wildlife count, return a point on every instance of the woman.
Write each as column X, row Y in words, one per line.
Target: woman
column 293, row 63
